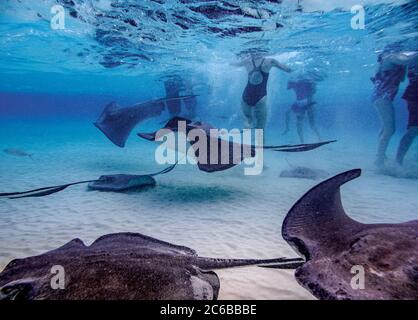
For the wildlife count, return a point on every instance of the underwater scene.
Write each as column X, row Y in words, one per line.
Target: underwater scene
column 196, row 149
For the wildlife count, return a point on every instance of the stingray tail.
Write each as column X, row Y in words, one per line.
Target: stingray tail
column 164, row 171
column 278, row 263
column 41, row 192
column 298, row 147
column 46, row 191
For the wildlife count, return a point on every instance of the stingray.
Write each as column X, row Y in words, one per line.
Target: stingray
column 224, row 160
column 333, row 243
column 117, row 122
column 121, row 266
column 304, row 173
column 113, row 183
column 17, row 153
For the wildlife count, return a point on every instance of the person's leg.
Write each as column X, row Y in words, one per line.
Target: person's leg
column 191, row 105
column 299, row 126
column 406, row 143
column 174, row 107
column 287, row 121
column 387, row 117
column 411, row 134
column 311, row 119
column 260, row 114
column 247, row 112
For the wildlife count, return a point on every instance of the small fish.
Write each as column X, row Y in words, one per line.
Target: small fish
column 17, row 153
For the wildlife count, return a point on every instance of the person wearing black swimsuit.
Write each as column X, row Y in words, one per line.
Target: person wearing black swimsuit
column 254, row 98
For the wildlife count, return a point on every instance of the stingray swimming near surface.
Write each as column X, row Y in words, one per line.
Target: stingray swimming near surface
column 114, row 183
column 17, row 153
column 213, row 158
column 333, row 244
column 121, row 266
column 117, row 122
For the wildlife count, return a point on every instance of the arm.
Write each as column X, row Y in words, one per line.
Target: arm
column 402, row 59
column 277, row 64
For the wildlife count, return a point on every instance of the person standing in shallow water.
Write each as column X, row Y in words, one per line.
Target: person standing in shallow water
column 411, row 97
column 391, row 72
column 175, row 87
column 304, row 89
column 254, row 98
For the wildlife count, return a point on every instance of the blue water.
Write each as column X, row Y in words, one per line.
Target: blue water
column 101, row 57
column 55, row 83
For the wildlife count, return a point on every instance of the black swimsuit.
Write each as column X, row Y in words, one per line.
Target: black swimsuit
column 253, row 93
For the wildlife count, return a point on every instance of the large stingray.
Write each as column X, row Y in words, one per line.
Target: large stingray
column 114, row 183
column 224, row 160
column 121, row 266
column 333, row 243
column 117, row 122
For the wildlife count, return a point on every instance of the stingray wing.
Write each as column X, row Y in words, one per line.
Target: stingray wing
column 218, row 154
column 137, row 242
column 171, row 125
column 340, row 251
column 117, row 122
column 318, row 222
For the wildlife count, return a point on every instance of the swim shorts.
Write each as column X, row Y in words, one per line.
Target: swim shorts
column 301, row 106
column 413, row 113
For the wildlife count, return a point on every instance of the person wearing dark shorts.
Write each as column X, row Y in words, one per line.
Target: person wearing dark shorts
column 411, row 98
column 304, row 89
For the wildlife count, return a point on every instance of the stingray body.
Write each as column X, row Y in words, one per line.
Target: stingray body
column 122, row 182
column 120, row 266
column 111, row 183
column 334, row 245
column 218, row 154
column 17, row 153
column 304, row 173
column 117, row 122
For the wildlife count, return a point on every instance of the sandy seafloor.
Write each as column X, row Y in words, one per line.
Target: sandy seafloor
column 220, row 215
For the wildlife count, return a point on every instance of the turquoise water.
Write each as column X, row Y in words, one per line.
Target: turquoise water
column 55, row 83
